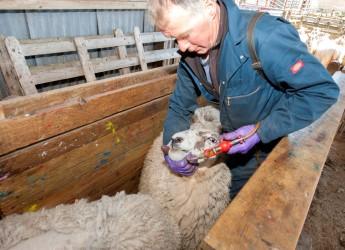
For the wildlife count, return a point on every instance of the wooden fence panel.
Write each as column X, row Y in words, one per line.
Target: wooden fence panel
column 92, row 141
column 30, row 77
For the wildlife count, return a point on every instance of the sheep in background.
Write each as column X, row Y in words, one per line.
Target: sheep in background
column 198, row 200
column 329, row 51
column 303, row 34
column 119, row 222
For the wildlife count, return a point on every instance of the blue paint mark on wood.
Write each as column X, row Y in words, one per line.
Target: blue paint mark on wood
column 33, row 179
column 107, row 153
column 104, row 159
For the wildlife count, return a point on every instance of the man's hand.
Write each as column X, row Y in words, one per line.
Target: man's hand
column 184, row 167
column 247, row 144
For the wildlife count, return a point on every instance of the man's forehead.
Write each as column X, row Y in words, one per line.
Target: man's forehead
column 177, row 32
column 180, row 23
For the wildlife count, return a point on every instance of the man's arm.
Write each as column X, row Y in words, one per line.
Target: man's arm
column 182, row 104
column 309, row 89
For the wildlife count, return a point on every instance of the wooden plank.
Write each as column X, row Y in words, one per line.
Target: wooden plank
column 154, row 37
column 122, row 51
column 84, row 57
column 96, row 164
column 49, row 73
column 43, row 48
column 111, row 63
column 60, row 45
column 99, row 43
column 49, row 121
column 24, row 159
column 29, row 105
column 270, row 210
column 167, row 45
column 13, row 87
column 54, row 72
column 21, row 68
column 159, row 55
column 140, row 49
column 71, row 4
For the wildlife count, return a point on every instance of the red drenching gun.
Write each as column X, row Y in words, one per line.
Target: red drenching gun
column 224, row 146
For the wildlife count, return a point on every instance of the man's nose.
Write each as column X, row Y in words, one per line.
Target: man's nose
column 183, row 45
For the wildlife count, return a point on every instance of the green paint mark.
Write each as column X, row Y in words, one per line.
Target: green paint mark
column 110, row 126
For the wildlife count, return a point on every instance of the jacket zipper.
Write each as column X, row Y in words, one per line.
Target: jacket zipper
column 228, row 98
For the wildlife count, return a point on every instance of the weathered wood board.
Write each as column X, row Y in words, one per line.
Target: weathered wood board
column 86, row 152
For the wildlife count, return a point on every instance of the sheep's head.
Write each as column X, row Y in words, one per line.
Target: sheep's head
column 193, row 141
column 206, row 117
column 204, row 133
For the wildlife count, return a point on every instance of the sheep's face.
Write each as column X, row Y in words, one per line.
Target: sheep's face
column 193, row 141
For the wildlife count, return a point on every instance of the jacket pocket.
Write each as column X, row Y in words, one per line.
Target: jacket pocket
column 229, row 99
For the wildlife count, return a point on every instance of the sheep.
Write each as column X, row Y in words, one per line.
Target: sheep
column 329, row 51
column 195, row 201
column 120, row 222
column 303, row 34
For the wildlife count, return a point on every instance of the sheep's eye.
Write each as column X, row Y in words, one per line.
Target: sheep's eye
column 212, row 140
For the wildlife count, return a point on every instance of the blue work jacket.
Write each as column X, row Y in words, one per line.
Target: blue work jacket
column 299, row 90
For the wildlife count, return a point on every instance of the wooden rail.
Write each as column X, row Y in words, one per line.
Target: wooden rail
column 31, row 76
column 329, row 24
column 81, row 141
column 269, row 212
column 71, row 4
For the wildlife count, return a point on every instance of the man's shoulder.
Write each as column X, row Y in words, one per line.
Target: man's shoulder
column 266, row 22
column 269, row 24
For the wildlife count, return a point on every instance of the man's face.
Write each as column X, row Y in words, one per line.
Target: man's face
column 191, row 33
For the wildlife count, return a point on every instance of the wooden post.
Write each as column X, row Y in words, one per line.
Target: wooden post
column 12, row 82
column 122, row 52
column 176, row 60
column 84, row 57
column 21, row 68
column 167, row 45
column 140, row 49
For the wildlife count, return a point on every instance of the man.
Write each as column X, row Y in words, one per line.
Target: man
column 216, row 63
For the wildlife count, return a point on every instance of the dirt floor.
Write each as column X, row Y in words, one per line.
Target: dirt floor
column 325, row 225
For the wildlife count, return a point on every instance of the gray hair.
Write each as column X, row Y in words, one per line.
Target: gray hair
column 159, row 8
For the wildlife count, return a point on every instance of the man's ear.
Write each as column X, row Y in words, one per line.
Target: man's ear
column 211, row 8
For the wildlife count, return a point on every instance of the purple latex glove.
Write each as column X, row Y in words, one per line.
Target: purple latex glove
column 185, row 167
column 246, row 145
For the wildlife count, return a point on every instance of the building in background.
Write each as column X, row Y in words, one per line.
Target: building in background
column 275, row 4
column 293, row 4
column 331, row 4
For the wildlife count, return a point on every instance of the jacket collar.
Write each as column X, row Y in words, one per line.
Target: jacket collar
column 237, row 25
